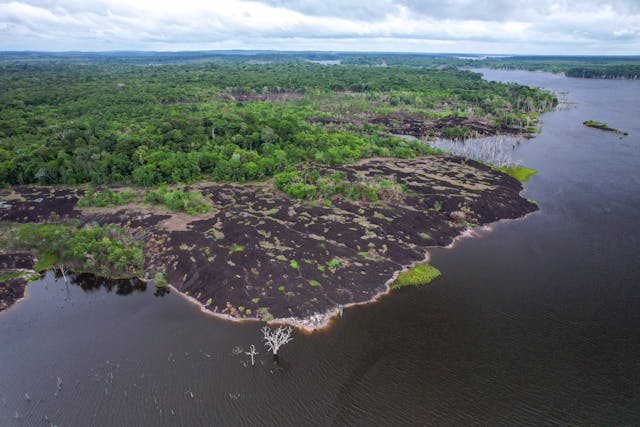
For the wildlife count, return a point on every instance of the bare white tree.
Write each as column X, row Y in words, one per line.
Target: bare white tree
column 252, row 352
column 276, row 338
column 63, row 270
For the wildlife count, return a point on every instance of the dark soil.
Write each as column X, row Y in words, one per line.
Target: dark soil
column 17, row 261
column 261, row 254
column 13, row 289
column 404, row 122
column 33, row 204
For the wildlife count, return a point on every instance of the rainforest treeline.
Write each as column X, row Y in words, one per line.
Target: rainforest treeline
column 70, row 122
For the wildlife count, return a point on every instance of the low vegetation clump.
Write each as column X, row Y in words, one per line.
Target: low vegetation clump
column 421, row 274
column 334, row 262
column 160, row 279
column 456, row 133
column 12, row 274
column 520, row 173
column 106, row 197
column 191, row 202
column 106, row 251
column 603, row 126
column 236, row 248
column 312, row 184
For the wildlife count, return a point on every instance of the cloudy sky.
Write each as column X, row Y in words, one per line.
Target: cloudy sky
column 481, row 26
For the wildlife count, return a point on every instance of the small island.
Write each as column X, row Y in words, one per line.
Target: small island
column 603, row 126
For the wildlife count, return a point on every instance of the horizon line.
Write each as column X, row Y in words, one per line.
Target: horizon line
column 331, row 52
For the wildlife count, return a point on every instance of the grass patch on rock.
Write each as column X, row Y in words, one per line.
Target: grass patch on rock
column 12, row 274
column 520, row 173
column 421, row 274
column 236, row 248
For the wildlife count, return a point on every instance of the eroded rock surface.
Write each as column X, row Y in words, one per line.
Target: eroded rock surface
column 261, row 254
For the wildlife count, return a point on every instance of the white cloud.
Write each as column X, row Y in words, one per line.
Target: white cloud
column 500, row 26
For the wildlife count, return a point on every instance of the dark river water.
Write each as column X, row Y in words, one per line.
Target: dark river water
column 534, row 322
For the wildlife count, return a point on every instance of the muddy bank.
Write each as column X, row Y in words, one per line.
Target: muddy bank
column 260, row 254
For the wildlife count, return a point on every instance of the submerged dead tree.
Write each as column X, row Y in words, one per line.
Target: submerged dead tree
column 252, row 353
column 276, row 338
column 63, row 270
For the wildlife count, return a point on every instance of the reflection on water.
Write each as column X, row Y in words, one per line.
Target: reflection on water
column 161, row 291
column 91, row 283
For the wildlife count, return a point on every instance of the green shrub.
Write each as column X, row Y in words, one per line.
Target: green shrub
column 312, row 184
column 191, row 202
column 160, row 279
column 370, row 194
column 103, row 250
column 106, row 197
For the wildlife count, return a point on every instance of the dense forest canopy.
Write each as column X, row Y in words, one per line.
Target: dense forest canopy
column 114, row 120
column 613, row 67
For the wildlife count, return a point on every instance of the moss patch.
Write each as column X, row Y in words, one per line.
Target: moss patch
column 520, row 173
column 236, row 248
column 421, row 274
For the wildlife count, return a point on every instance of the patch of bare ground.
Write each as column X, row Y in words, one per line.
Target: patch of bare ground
column 262, row 255
column 407, row 122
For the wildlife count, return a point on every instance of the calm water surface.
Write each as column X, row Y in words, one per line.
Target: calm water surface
column 534, row 322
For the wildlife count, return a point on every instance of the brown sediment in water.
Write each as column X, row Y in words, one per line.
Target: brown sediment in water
column 300, row 262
